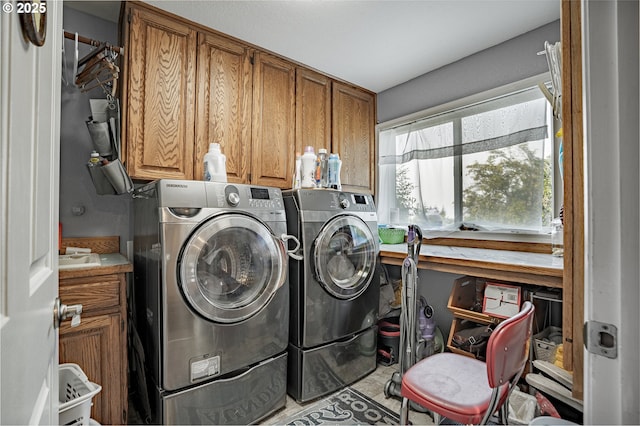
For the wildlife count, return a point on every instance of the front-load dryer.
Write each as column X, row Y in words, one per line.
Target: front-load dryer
column 211, row 300
column 334, row 290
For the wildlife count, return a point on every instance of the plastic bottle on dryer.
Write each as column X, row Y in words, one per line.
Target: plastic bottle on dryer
column 308, row 168
column 296, row 174
column 215, row 164
column 321, row 168
column 334, row 171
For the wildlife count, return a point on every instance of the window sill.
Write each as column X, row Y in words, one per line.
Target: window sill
column 532, row 243
column 517, row 266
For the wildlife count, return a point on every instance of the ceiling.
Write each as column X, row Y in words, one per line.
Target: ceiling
column 376, row 44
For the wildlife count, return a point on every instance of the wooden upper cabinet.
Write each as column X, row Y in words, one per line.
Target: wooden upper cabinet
column 223, row 111
column 187, row 86
column 353, row 137
column 313, row 110
column 273, row 124
column 160, row 97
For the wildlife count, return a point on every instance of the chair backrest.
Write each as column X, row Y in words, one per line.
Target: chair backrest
column 508, row 346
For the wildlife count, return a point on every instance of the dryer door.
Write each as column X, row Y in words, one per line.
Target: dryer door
column 344, row 256
column 230, row 267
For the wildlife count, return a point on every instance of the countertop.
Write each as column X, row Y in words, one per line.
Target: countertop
column 112, row 263
column 534, row 268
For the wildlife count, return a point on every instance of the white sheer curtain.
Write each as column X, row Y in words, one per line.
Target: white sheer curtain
column 424, row 164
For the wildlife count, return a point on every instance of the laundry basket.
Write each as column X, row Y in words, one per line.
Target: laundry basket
column 75, row 394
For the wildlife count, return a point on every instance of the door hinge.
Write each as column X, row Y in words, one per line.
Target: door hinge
column 601, row 338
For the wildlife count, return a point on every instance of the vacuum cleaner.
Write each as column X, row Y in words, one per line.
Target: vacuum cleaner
column 417, row 326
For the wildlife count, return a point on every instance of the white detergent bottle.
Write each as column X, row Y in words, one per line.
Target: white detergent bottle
column 308, row 168
column 215, row 164
column 296, row 174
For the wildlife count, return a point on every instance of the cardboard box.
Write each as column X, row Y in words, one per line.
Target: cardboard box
column 463, row 299
column 501, row 300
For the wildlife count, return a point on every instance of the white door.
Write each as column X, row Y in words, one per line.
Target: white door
column 29, row 143
column 612, row 227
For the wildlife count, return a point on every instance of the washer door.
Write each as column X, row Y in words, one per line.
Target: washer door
column 344, row 256
column 230, row 267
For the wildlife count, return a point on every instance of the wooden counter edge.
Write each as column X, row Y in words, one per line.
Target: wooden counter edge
column 96, row 270
column 548, row 277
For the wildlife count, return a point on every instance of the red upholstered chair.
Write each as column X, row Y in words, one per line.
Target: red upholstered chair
column 465, row 389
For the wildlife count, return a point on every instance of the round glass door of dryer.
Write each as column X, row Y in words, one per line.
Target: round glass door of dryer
column 230, row 267
column 344, row 256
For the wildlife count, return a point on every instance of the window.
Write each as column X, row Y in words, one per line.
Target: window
column 485, row 165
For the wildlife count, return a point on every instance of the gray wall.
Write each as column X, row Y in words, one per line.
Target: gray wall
column 104, row 215
column 505, row 63
column 435, row 287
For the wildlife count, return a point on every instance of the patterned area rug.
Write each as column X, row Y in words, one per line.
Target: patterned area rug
column 345, row 407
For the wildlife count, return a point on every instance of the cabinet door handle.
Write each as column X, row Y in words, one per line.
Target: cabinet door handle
column 63, row 312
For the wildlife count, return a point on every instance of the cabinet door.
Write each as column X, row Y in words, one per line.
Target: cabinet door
column 273, row 155
column 313, row 110
column 223, row 112
column 95, row 345
column 353, row 136
column 160, row 97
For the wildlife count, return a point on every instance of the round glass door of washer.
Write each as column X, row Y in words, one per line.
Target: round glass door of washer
column 345, row 256
column 230, row 267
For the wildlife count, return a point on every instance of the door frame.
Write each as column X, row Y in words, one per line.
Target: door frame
column 612, row 199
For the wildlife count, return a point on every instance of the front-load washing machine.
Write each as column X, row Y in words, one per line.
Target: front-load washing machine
column 334, row 290
column 211, row 300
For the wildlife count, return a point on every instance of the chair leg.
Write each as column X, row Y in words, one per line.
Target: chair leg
column 502, row 417
column 504, row 413
column 404, row 412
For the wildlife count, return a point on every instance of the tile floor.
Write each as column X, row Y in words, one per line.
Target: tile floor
column 371, row 385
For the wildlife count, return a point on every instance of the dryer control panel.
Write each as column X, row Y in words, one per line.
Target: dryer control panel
column 333, row 200
column 350, row 202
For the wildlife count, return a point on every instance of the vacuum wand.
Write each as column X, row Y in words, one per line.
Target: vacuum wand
column 408, row 334
column 414, row 241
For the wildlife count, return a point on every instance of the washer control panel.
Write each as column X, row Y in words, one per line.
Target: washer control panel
column 265, row 198
column 242, row 196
